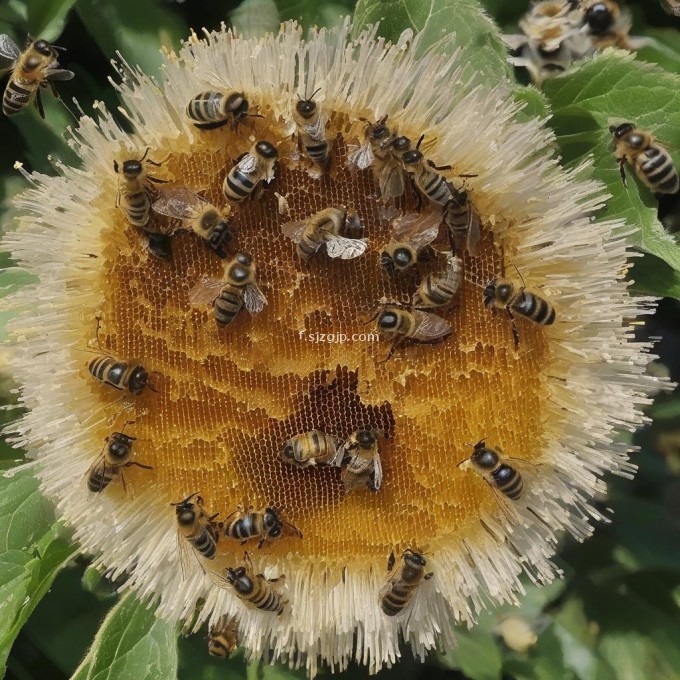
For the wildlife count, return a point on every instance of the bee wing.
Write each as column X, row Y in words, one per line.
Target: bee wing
column 179, row 203
column 59, row 73
column 408, row 226
column 254, row 299
column 248, row 164
column 9, row 52
column 353, row 481
column 99, row 460
column 362, row 156
column 377, row 472
column 346, row 248
column 430, row 327
column 317, row 131
column 184, row 559
column 454, row 270
column 474, row 234
column 205, row 291
column 391, row 180
column 294, row 230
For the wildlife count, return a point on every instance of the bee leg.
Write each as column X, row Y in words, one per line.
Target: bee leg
column 132, row 462
column 260, row 543
column 160, row 246
column 439, row 167
column 390, row 561
column 38, row 104
column 244, row 541
column 622, row 170
column 515, row 332
column 122, row 479
column 427, row 577
column 151, row 178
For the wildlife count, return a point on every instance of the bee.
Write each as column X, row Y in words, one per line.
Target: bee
column 502, row 293
column 334, row 228
column 311, row 129
column 429, row 183
column 230, row 294
column 381, row 151
column 311, row 448
column 489, row 464
column 31, row 70
column 463, row 222
column 121, row 375
column 401, row 325
column 196, row 529
column 255, row 589
column 671, row 7
column 608, row 24
column 265, row 524
column 223, row 638
column 109, row 464
column 411, row 235
column 437, row 291
column 209, row 110
column 361, row 461
column 201, row 217
column 402, row 582
column 133, row 189
column 651, row 162
column 255, row 166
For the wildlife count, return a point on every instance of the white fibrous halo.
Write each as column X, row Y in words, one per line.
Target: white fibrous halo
column 595, row 381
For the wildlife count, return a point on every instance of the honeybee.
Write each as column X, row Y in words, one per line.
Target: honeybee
column 311, row 129
column 230, row 294
column 255, row 166
column 361, row 461
column 502, row 293
column 133, row 189
column 334, row 228
column 412, row 234
column 196, row 529
column 109, row 464
column 209, row 110
column 381, row 151
column 402, row 582
column 651, row 162
column 265, row 524
column 202, row 217
column 223, row 638
column 121, row 375
column 608, row 24
column 311, row 448
column 671, row 7
column 429, row 183
column 437, row 291
column 34, row 68
column 489, row 464
column 255, row 589
column 401, row 325
column 463, row 222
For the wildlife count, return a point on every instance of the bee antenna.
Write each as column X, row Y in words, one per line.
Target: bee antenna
column 146, row 153
column 519, row 274
column 419, row 142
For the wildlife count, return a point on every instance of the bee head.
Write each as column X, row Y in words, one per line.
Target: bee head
column 378, row 130
column 131, row 168
column 401, row 144
column 119, row 446
column 388, row 320
column 414, row 559
column 412, row 158
column 484, row 458
column 489, row 293
column 186, row 515
column 306, row 107
column 366, row 439
column 619, row 131
column 237, row 105
column 217, row 648
column 43, row 47
column 288, row 453
column 272, row 523
column 266, row 150
column 138, row 380
column 220, row 235
column 600, row 17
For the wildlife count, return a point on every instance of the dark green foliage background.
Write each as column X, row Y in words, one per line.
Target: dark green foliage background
column 616, row 614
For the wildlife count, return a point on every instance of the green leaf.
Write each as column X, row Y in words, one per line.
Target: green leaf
column 312, row 13
column 254, row 18
column 46, row 18
column 32, row 553
column 535, row 102
column 653, row 276
column 131, row 643
column 136, row 29
column 664, row 50
column 584, row 100
column 474, row 31
column 476, row 654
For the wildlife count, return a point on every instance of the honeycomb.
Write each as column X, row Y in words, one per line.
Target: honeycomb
column 228, row 398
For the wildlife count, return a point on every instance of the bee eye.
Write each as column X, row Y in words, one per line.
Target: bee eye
column 118, row 449
column 186, row 516
column 307, row 106
column 599, row 17
column 379, row 131
column 413, row 156
column 485, row 458
column 403, row 257
column 387, row 320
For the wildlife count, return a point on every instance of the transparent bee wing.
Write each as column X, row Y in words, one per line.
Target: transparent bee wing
column 339, row 456
column 205, row 291
column 377, row 472
column 424, row 238
column 346, row 248
column 100, row 460
column 248, row 164
column 294, row 230
column 9, row 52
column 474, row 233
column 391, row 180
column 454, row 270
column 59, row 74
column 179, row 203
column 317, row 130
column 430, row 327
column 362, row 157
column 406, row 227
column 254, row 299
